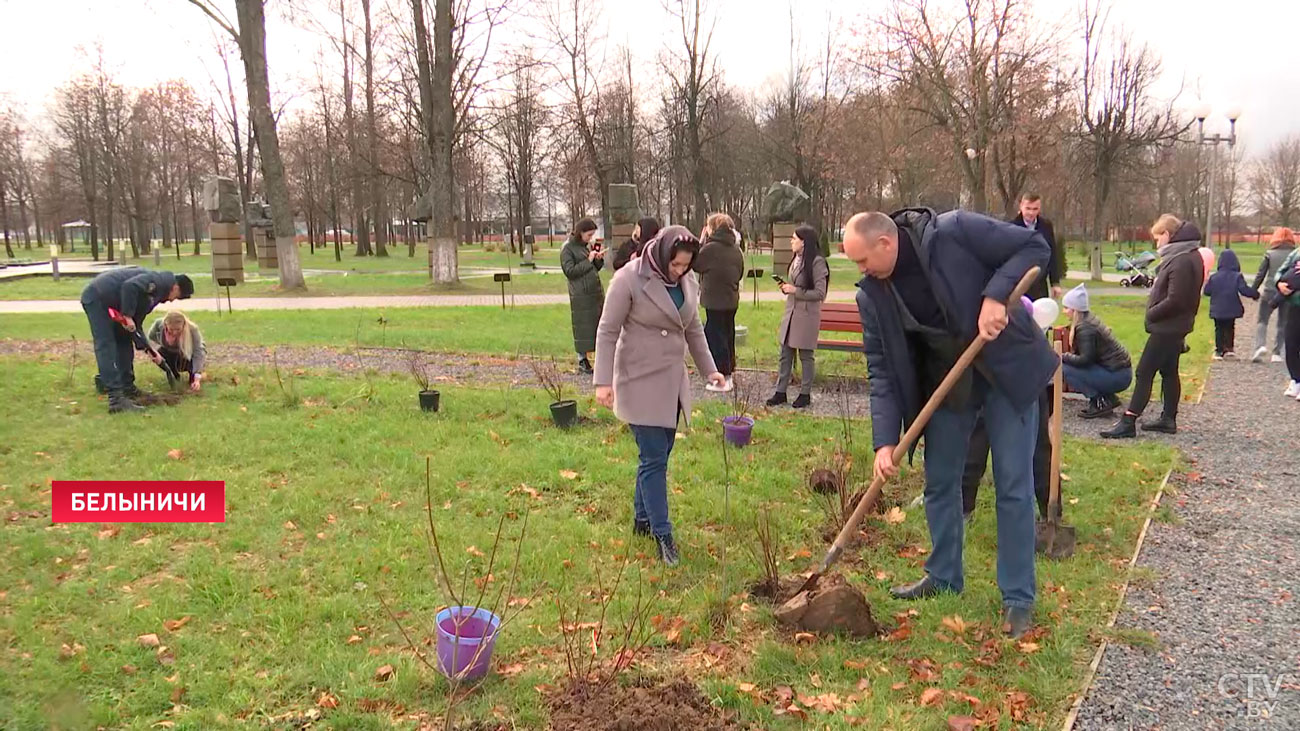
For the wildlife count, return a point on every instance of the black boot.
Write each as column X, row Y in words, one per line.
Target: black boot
column 802, row 401
column 668, row 551
column 584, row 366
column 1165, row 425
column 1098, row 408
column 119, row 403
column 1017, row 621
column 132, row 391
column 777, row 399
column 640, row 527
column 923, row 589
column 99, row 385
column 1122, row 429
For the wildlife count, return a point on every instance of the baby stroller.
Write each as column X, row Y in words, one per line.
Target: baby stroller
column 1136, row 268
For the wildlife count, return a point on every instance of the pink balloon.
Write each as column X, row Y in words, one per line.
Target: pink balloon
column 1207, row 258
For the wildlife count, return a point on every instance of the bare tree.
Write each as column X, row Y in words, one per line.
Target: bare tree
column 1276, row 178
column 1119, row 118
column 251, row 38
column 693, row 77
column 374, row 174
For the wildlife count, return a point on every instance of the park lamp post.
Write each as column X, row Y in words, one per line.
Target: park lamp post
column 1203, row 113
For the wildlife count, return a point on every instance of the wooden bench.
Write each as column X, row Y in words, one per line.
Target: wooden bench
column 840, row 318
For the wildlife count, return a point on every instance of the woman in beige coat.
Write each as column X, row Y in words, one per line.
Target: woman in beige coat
column 810, row 275
column 651, row 319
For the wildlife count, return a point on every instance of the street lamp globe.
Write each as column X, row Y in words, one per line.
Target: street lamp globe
column 1202, row 112
column 1233, row 113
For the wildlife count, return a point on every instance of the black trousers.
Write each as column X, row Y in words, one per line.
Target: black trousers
column 720, row 332
column 1291, row 343
column 977, row 458
column 1160, row 355
column 1225, row 336
column 114, row 352
column 178, row 362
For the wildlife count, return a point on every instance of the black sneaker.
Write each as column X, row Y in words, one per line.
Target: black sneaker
column 640, row 527
column 584, row 366
column 1098, row 408
column 1122, row 429
column 668, row 551
column 777, row 399
column 1165, row 425
column 803, row 401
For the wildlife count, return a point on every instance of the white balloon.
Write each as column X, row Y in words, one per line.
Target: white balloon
column 1045, row 311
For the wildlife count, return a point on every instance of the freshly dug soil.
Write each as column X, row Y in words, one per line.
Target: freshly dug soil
column 778, row 593
column 646, row 707
column 832, row 606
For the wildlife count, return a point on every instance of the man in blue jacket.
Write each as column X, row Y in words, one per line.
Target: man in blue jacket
column 934, row 283
column 134, row 293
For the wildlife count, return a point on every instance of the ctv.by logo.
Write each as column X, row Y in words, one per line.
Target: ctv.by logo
column 1261, row 691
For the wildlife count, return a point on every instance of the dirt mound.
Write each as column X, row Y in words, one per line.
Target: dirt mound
column 832, row 606
column 158, row 399
column 780, row 592
column 638, row 707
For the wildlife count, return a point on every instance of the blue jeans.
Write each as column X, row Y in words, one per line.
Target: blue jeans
column 1095, row 381
column 1012, row 433
column 651, row 497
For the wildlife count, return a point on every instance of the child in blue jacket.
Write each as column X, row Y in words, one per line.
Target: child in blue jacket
column 1225, row 289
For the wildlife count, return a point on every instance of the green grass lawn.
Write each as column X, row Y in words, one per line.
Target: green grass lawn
column 324, row 516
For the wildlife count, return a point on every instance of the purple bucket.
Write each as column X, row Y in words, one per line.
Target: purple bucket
column 466, row 636
column 737, row 429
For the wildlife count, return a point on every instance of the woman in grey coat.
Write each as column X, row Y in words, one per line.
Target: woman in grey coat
column 651, row 319
column 810, row 276
column 581, row 266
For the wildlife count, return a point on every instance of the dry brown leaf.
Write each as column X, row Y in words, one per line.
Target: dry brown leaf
column 177, row 693
column 855, row 664
column 384, row 672
column 746, row 687
column 165, row 656
column 519, row 601
column 569, row 474
column 931, row 696
column 128, row 669
column 149, row 640
column 864, row 684
column 175, row 453
column 962, row 723
column 327, row 701
column 509, row 671
column 895, row 515
column 804, row 638
column 956, row 624
column 174, row 624
column 474, row 551
column 108, row 533
column 1028, row 647
column 290, row 525
column 354, row 639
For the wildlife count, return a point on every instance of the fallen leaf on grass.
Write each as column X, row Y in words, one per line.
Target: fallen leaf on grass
column 864, row 684
column 883, row 576
column 895, row 515
column 149, row 640
column 165, row 656
column 956, row 624
column 175, row 453
column 509, row 671
column 67, row 651
column 177, row 693
column 327, row 701
column 164, row 724
column 931, row 696
column 962, row 723
column 354, row 639
column 855, row 664
column 746, row 687
column 128, row 669
column 290, row 525
column 801, row 553
column 804, row 638
column 474, row 551
column 898, row 686
column 1028, row 647
column 519, row 601
column 899, row 634
column 174, row 624
column 108, row 533
column 569, row 474
column 383, row 673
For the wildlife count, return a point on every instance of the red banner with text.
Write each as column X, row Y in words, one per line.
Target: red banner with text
column 138, row 501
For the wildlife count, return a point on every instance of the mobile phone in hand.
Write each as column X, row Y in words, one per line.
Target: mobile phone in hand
column 778, row 279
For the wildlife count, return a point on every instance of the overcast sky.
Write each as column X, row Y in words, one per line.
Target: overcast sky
column 1237, row 52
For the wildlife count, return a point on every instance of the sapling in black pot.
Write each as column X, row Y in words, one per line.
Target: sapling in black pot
column 564, row 412
column 419, row 369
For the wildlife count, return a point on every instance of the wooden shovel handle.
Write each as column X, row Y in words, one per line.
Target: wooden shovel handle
column 914, row 432
column 1058, row 385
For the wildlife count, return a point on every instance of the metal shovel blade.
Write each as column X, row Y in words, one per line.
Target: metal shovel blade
column 1054, row 540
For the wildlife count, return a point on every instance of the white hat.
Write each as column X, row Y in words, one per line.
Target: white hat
column 1076, row 299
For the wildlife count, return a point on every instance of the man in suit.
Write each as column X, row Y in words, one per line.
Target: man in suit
column 1031, row 205
column 932, row 283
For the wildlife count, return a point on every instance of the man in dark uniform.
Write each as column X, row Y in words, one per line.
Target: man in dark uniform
column 977, row 458
column 134, row 292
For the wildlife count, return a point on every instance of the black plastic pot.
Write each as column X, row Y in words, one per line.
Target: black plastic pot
column 429, row 400
column 564, row 413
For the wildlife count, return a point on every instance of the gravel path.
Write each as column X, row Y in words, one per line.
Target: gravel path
column 1224, row 601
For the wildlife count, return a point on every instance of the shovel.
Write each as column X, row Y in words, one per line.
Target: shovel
column 1052, row 539
column 909, row 438
column 142, row 343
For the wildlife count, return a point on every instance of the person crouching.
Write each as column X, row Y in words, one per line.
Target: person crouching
column 1097, row 366
column 180, row 344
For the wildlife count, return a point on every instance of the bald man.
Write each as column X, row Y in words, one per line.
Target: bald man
column 932, row 284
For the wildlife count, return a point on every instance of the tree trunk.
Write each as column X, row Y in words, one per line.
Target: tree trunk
column 252, row 33
column 378, row 205
column 439, row 114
